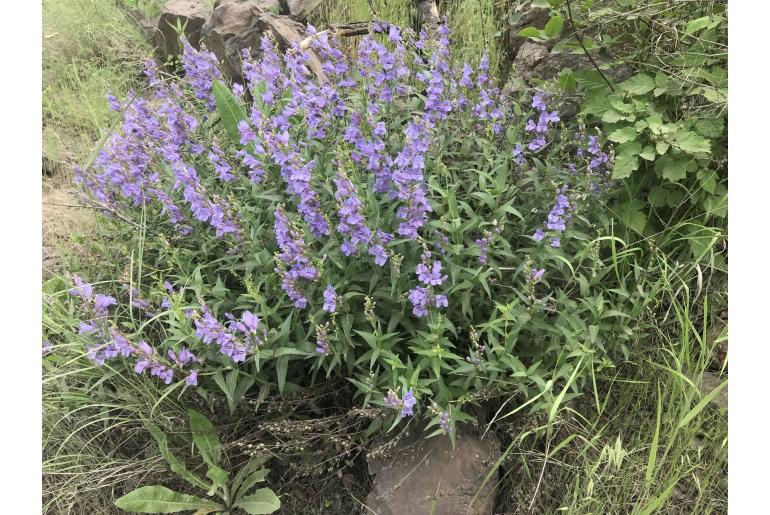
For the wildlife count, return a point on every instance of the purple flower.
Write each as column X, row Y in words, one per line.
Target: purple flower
column 539, row 235
column 192, row 378
column 392, row 400
column 321, row 341
column 250, row 320
column 330, row 299
column 408, row 403
column 535, row 275
column 293, row 264
column 443, row 422
column 102, row 303
column 47, row 347
column 556, row 242
column 82, row 289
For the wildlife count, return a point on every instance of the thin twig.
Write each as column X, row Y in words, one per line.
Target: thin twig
column 579, row 37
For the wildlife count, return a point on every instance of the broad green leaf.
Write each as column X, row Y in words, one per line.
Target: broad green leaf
column 159, row 499
column 708, row 180
column 633, row 216
column 626, row 160
column 673, row 168
column 531, row 32
column 648, row 153
column 205, row 438
column 716, row 95
column 567, row 80
column 697, row 24
column 245, row 471
column 612, row 116
column 230, row 110
column 554, row 26
column 591, row 80
column 710, row 127
column 692, row 142
column 661, row 147
column 639, row 84
column 261, row 501
column 622, row 135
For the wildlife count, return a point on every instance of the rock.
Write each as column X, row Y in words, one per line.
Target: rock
column 524, row 15
column 427, row 476
column 530, row 55
column 238, row 24
column 709, row 382
column 427, row 15
column 190, row 14
column 299, row 9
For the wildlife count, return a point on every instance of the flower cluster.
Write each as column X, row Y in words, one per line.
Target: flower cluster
column 558, row 218
column 406, row 405
column 104, row 343
column 484, row 243
column 292, row 263
column 237, row 340
column 321, row 339
column 423, row 297
column 540, row 128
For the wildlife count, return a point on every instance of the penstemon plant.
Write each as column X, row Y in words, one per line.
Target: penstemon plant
column 391, row 217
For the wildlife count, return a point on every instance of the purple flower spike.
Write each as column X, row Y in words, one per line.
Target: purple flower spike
column 409, row 402
column 330, row 299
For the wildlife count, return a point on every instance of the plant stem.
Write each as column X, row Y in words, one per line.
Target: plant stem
column 579, row 37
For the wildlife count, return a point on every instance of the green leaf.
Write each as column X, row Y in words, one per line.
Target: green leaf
column 261, row 501
column 673, row 168
column 626, row 160
column 176, row 466
column 622, row 135
column 252, row 479
column 708, row 180
column 648, row 153
column 633, row 216
column 567, row 80
column 230, row 110
column 159, row 499
column 554, row 26
column 661, row 147
column 699, row 407
column 245, row 471
column 692, row 142
column 205, row 438
column 710, row 127
column 639, row 84
column 697, row 24
column 531, row 32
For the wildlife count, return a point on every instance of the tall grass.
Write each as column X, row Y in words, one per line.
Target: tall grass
column 89, row 48
column 650, row 436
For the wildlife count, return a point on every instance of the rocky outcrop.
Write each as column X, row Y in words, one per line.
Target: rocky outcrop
column 419, row 476
column 189, row 15
column 238, row 24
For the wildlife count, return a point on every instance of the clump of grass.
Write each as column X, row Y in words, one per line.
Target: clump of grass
column 89, row 48
column 649, row 438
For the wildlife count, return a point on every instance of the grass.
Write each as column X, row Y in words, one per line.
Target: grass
column 89, row 48
column 647, row 438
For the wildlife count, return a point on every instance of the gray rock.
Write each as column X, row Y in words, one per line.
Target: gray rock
column 190, row 14
column 299, row 9
column 422, row 476
column 530, row 55
column 524, row 15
